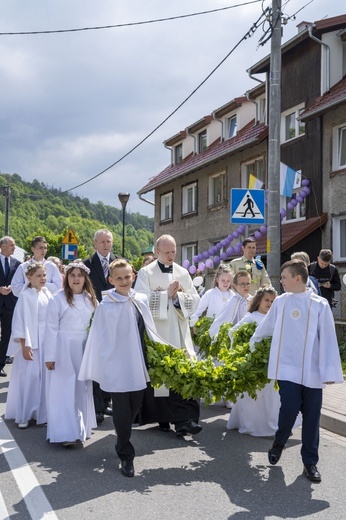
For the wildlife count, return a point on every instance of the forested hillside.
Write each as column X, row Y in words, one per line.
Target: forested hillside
column 36, row 209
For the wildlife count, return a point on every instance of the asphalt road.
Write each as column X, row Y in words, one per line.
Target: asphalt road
column 215, row 475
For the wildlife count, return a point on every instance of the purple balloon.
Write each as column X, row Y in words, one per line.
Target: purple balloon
column 205, row 254
column 209, row 263
column 283, row 212
column 241, row 229
column 299, row 198
column 186, row 264
column 257, row 235
column 306, row 190
column 237, row 248
column 192, row 269
column 229, row 251
column 290, row 206
column 201, row 266
column 199, row 257
column 230, row 236
column 305, row 182
column 236, row 234
column 294, row 202
column 263, row 229
column 195, row 259
column 216, row 259
column 224, row 255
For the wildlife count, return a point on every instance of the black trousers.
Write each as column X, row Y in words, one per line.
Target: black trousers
column 126, row 406
column 6, row 326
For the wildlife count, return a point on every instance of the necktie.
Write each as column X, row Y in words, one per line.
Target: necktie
column 7, row 266
column 105, row 266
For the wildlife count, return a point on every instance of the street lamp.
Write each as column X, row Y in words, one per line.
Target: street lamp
column 123, row 197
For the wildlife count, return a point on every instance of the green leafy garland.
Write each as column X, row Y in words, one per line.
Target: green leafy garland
column 240, row 371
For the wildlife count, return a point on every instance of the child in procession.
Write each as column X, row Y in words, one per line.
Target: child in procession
column 258, row 417
column 213, row 300
column 235, row 308
column 70, row 406
column 115, row 354
column 26, row 398
column 304, row 357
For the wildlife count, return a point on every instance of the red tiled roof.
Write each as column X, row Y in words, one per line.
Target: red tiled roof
column 334, row 97
column 293, row 232
column 250, row 135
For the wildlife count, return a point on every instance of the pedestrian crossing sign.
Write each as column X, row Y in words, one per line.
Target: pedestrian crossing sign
column 247, row 206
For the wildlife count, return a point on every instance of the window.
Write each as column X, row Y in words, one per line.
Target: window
column 231, row 126
column 217, row 189
column 189, row 203
column 178, row 153
column 291, row 128
column 262, row 109
column 188, row 252
column 339, row 238
column 202, row 141
column 339, row 147
column 166, row 206
column 255, row 168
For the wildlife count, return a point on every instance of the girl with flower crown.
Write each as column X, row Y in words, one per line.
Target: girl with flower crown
column 70, row 406
column 26, row 398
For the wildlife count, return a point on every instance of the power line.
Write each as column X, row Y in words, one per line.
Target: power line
column 249, row 33
column 116, row 26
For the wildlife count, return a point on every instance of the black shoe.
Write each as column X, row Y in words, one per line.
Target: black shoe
column 127, row 468
column 108, row 411
column 164, row 427
column 3, row 373
column 100, row 418
column 274, row 453
column 312, row 473
column 9, row 360
column 190, row 427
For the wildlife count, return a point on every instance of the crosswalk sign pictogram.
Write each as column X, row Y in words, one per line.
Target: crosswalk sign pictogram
column 247, row 206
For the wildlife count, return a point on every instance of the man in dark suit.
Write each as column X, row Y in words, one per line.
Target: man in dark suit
column 8, row 266
column 98, row 264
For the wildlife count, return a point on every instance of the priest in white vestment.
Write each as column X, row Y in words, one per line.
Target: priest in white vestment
column 172, row 300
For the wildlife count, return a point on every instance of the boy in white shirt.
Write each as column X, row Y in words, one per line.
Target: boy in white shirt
column 304, row 357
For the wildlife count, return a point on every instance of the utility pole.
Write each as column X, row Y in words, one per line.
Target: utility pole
column 274, row 222
column 6, row 191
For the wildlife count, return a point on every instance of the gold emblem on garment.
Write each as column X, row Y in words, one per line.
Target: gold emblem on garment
column 295, row 314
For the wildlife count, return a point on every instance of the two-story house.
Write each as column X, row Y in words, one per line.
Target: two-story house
column 220, row 151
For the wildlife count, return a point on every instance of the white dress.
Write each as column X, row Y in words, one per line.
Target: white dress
column 26, row 397
column 212, row 301
column 232, row 312
column 70, row 405
column 257, row 417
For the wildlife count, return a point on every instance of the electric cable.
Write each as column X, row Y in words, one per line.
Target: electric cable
column 249, row 33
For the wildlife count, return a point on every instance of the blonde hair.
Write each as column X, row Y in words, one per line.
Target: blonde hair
column 117, row 263
column 222, row 269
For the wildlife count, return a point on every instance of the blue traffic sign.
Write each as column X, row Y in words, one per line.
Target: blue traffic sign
column 247, row 206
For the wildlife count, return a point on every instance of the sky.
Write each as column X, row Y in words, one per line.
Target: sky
column 73, row 103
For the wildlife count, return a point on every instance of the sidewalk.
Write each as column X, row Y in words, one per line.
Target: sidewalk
column 333, row 416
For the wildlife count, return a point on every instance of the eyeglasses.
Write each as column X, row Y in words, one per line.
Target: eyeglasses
column 243, row 284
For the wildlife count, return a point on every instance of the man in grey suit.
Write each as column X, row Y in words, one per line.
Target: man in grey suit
column 98, row 264
column 8, row 266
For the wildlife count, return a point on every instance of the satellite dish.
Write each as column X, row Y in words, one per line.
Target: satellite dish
column 344, row 279
column 197, row 281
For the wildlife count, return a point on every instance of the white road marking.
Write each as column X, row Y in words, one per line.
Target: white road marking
column 38, row 506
